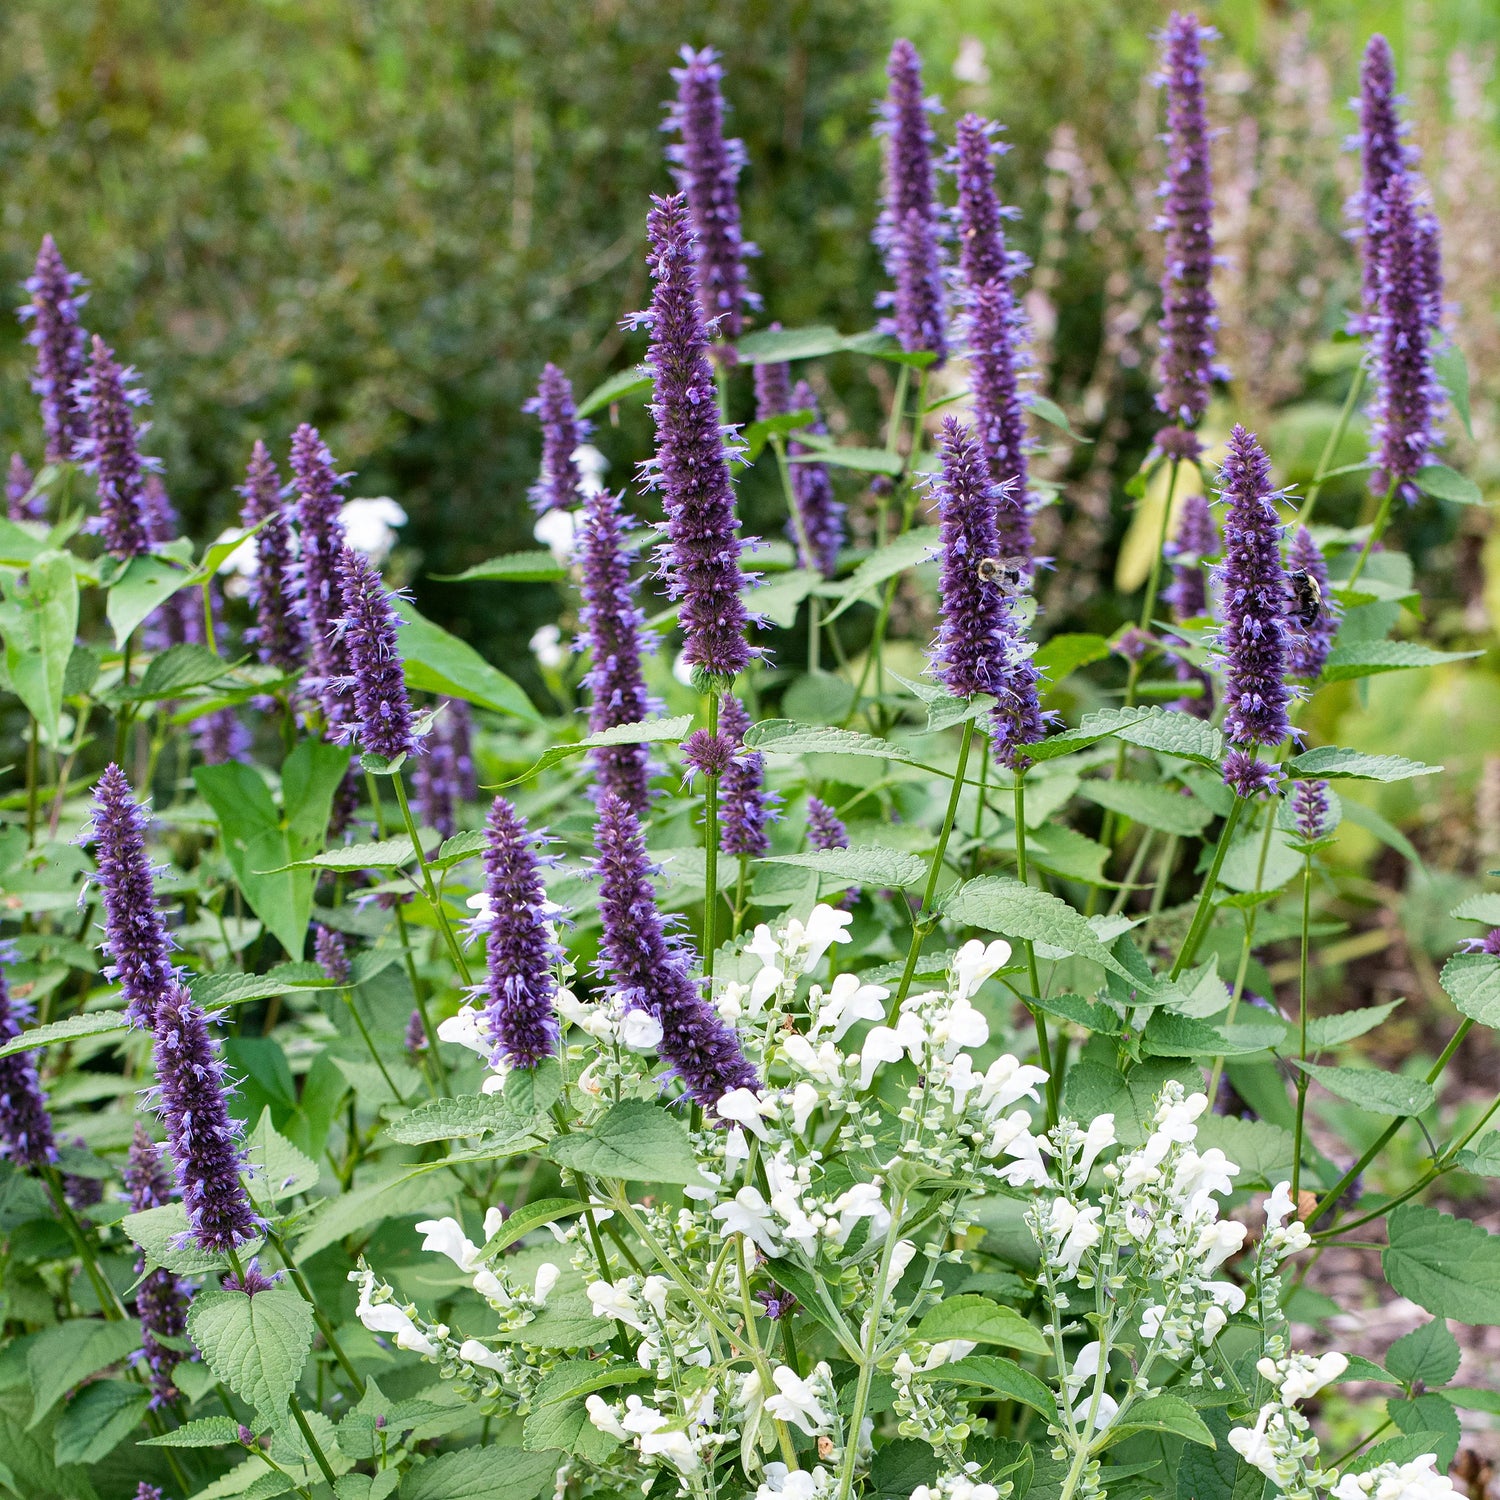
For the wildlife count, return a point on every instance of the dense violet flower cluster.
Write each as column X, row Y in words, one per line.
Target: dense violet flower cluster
column 1384, row 153
column 321, row 536
column 650, row 970
column 825, row 829
column 376, row 681
column 25, row 1125
column 161, row 1299
column 612, row 624
column 745, row 806
column 519, row 1012
column 1189, row 314
column 707, row 167
column 331, row 954
column 1196, row 541
column 701, row 556
column 111, row 452
column 1311, row 809
column 1315, row 620
column 910, row 226
column 279, row 631
column 20, row 504
column 559, row 486
column 444, row 775
column 820, row 536
column 60, row 342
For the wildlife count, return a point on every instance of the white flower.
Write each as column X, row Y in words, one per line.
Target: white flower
column 749, row 1214
column 845, row 1003
column 798, row 1484
column 1103, row 1413
column 804, row 1102
column 682, row 670
column 387, row 1317
column 1078, row 1231
column 1176, row 1117
column 1099, row 1137
column 1014, row 1138
column 1216, row 1242
column 592, row 1018
column 1226, row 1294
column 480, row 1354
column 957, row 1027
column 975, row 962
column 826, row 926
column 1279, row 1206
column 796, row 1400
column 640, row 1031
column 1254, row 1445
column 1006, row 1081
column 1303, row 1376
column 557, row 530
column 546, row 1278
column 592, row 467
column 903, row 1252
column 466, row 1028
column 602, row 1415
column 546, row 642
column 1085, row 1367
column 948, row 1352
column 614, row 1300
column 370, row 525
column 446, row 1236
column 736, row 1151
column 825, row 1064
column 1417, row 1480
column 744, row 1108
column 881, row 1045
column 1198, row 1176
column 862, row 1201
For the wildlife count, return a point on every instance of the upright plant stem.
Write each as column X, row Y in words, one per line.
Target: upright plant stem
column 1153, row 579
column 1302, row 1078
column 1043, row 1045
column 1331, row 447
column 455, row 952
column 325, row 1326
column 710, row 854
column 109, row 1299
column 1206, row 895
column 1377, row 530
column 32, row 790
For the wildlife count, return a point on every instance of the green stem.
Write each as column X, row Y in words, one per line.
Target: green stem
column 312, row 1442
column 455, row 952
column 109, row 1300
column 1331, row 447
column 32, row 790
column 1153, row 580
column 325, row 1325
column 1302, row 1077
column 710, row 853
column 747, row 1311
column 1043, row 1045
column 1206, row 896
column 1377, row 530
column 347, row 996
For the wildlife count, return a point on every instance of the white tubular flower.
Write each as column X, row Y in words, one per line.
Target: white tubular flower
column 1304, row 1376
column 370, row 525
column 962, row 1080
column 903, row 1252
column 736, row 1151
column 1226, row 1294
column 640, row 1031
column 1100, row 1136
column 1254, row 1445
column 594, row 1019
column 764, row 946
column 556, row 530
column 446, row 1236
column 796, row 1400
column 1199, row 1176
column 1085, row 1367
column 974, row 963
column 1176, row 1116
column 1417, row 1480
column 1216, row 1242
column 614, row 1300
column 476, row 1353
column 744, row 1108
column 602, row 1415
column 824, row 1064
column 1103, row 1412
column 948, row 1352
column 1279, row 1206
column 881, row 1045
column 1006, row 1081
column 1079, row 1232
column 799, row 1484
column 862, row 1201
column 1014, row 1138
column 847, row 1002
column 763, row 987
column 546, row 1278
column 804, row 1102
column 654, row 1289
column 592, row 467
column 958, row 1027
column 388, row 1318
column 466, row 1029
column 749, row 1214
column 825, row 926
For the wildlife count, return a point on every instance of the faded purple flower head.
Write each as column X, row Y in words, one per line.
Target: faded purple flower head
column 222, row 737
column 377, row 681
column 745, row 806
column 144, row 1491
column 161, row 1300
column 701, row 556
column 612, row 623
column 25, row 1125
column 18, row 482
column 1384, row 153
column 252, row 1281
column 1311, row 809
column 415, row 1039
column 777, row 1301
column 909, row 231
column 820, row 535
column 330, row 953
column 203, row 1137
column 707, row 168
column 559, row 486
column 825, row 829
column 651, row 970
column 135, row 937
column 444, row 775
column 1315, row 613
column 1189, row 314
column 1253, row 639
column 773, row 387
column 520, row 1012
column 111, row 452
column 1196, row 541
column 1134, row 644
column 706, row 754
column 279, row 632
column 61, row 350
column 321, row 533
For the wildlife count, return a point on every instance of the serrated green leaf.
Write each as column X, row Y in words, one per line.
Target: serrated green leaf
column 457, row 1118
column 277, row 1168
column 1483, row 907
column 380, row 854
column 256, row 1345
column 66, row 1355
column 97, row 1420
column 565, row 1426
column 176, row 670
column 866, row 865
column 1166, row 1413
column 783, row 737
column 531, row 1216
column 1452, row 371
column 1003, row 905
column 779, row 599
column 981, row 1321
column 1369, row 658
column 359, row 1211
column 863, row 460
column 214, row 990
column 784, row 345
column 1335, row 1030
column 1381, row 1093
column 1429, row 1354
column 913, row 547
column 1065, row 654
column 1051, row 413
column 1329, row 762
column 1434, row 1420
column 205, row 1432
column 1263, row 1151
column 1168, row 1034
column 1094, row 727
column 1444, row 483
column 1472, row 982
column 1171, row 732
column 646, row 732
column 582, row 1377
column 39, row 619
column 1482, row 1158
column 162, row 1234
column 1159, row 807
column 634, row 1142
column 481, row 1474
column 437, row 662
column 567, row 1322
column 514, row 567
column 1217, row 1473
column 1449, row 1266
column 992, row 1372
column 69, row 1029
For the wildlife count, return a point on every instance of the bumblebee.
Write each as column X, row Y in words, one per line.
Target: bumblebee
column 1307, row 597
column 1008, row 574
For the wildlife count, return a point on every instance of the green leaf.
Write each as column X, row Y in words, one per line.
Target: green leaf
column 533, row 1091
column 1217, row 1473
column 146, row 583
column 1065, row 654
column 162, row 1234
column 97, row 1420
column 176, row 670
column 1449, row 1266
column 382, row 854
column 458, row 1118
column 779, row 599
column 359, row 1211
column 1482, row 907
column 1427, row 1415
column 1094, row 727
column 565, row 1426
column 867, row 865
column 1255, row 863
column 1335, row 1030
column 645, row 732
column 277, row 1168
column 437, row 662
column 1152, row 806
column 1264, row 1151
column 1429, row 1354
column 232, row 988
column 1482, row 1158
column 1452, row 371
column 1168, row 1034
column 634, row 1142
column 1474, row 1398
column 865, row 460
column 1369, row 658
column 1391, row 1094
column 66, row 1355
column 205, row 1432
column 70, row 1029
column 991, row 1372
column 1051, row 412
column 915, row 546
column 784, row 737
column 1169, row 1414
column 256, row 1345
column 567, row 1322
column 1172, row 733
column 617, row 387
column 531, row 1216
column 757, row 434
column 1002, row 904
column 39, row 620
column 981, row 1321
column 1092, row 1089
column 582, row 1377
column 1472, row 982
column 769, row 346
column 514, row 567
column 885, row 346
column 1383, row 829
column 1443, row 483
column 1329, row 762
column 482, row 1474
column 18, row 547
column 1397, row 1450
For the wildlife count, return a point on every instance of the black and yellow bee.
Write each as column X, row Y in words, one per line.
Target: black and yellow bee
column 1008, row 574
column 1307, row 597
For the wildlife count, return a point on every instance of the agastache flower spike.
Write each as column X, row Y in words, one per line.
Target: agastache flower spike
column 701, row 557
column 25, row 1125
column 376, row 675
column 111, row 452
column 559, row 486
column 135, row 937
column 18, row 482
column 821, row 511
column 1197, row 540
column 221, row 737
column 707, row 168
column 61, row 345
column 1189, row 315
column 1311, row 640
column 161, row 1300
column 328, row 949
column 909, row 228
column 651, row 970
column 612, row 624
column 1384, row 153
column 825, row 829
column 745, row 806
column 773, row 388
column 278, row 633
column 520, row 1010
column 1311, row 809
column 444, row 776
column 322, row 539
column 1253, row 640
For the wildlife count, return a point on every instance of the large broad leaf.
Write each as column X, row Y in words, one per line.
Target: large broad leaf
column 1064, row 654
column 1369, row 658
column 916, row 546
column 1168, row 1034
column 70, row 1029
column 783, row 345
column 644, row 732
column 255, row 1345
column 39, row 619
column 1472, row 982
column 784, row 737
column 97, row 1420
column 1335, row 1030
column 1429, row 1354
column 1160, row 807
column 1217, row 1473
column 176, row 670
column 1482, row 907
column 454, row 1119
column 1391, row 1094
column 991, row 1372
column 865, row 865
column 1002, row 904
column 981, row 1321
column 779, row 599
column 1169, row 1414
column 1174, row 733
column 531, row 1216
column 1452, row 371
column 277, row 1168
column 146, row 583
column 635, row 1142
column 1449, row 1266
column 440, row 663
column 204, row 1432
column 360, row 1211
column 1444, row 483
column 481, row 1474
column 1328, row 762
column 66, row 1355
column 619, row 386
column 514, row 567
column 161, row 1233
column 865, row 460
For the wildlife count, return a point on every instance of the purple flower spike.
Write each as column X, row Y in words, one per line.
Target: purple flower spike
column 650, row 969
column 825, row 829
column 1253, row 640
column 376, row 675
column 701, row 557
column 773, row 388
column 61, row 350
column 1189, row 316
column 612, row 623
column 253, row 1281
column 1315, row 613
column 1384, row 153
column 278, row 633
column 1408, row 400
column 328, row 949
column 203, row 1138
column 111, row 452
column 1310, row 807
column 444, row 775
column 1196, row 541
column 559, row 486
column 415, row 1039
column 822, row 513
column 520, row 1010
column 144, row 1491
column 994, row 329
column 744, row 803
column 909, row 230
column 221, row 738
column 322, row 537
column 706, row 754
column 161, row 1300
column 707, row 168
column 25, row 1125
column 18, row 482
column 135, row 937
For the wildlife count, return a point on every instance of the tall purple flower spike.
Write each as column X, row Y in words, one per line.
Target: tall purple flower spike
column 520, row 1011
column 1384, row 153
column 161, row 1300
column 204, row 1139
column 1310, row 643
column 221, row 737
column 278, row 634
column 1254, row 598
column 612, row 623
column 321, row 533
column 707, row 168
column 332, row 956
column 111, row 452
column 559, row 486
column 377, row 680
column 651, row 969
column 701, row 556
column 25, row 1124
column 1311, row 810
column 1196, row 541
column 745, row 806
column 1408, row 400
column 1189, row 314
column 773, row 387
column 909, row 231
column 817, row 527
column 826, row 830
column 61, row 350
column 18, row 482
column 135, row 938
column 444, row 775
